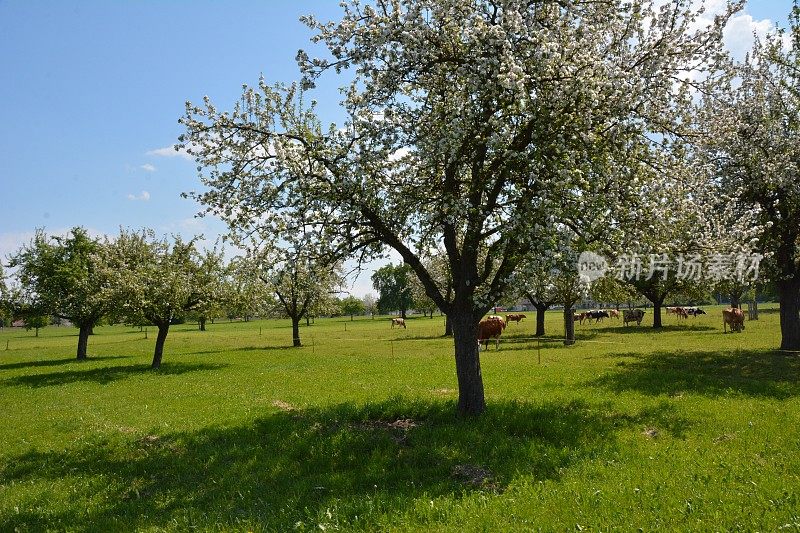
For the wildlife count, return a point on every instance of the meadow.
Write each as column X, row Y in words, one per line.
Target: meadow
column 680, row 429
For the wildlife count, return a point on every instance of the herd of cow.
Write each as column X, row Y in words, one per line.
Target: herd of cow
column 492, row 326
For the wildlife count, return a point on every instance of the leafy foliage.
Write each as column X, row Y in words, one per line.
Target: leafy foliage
column 393, row 284
column 352, row 306
column 62, row 275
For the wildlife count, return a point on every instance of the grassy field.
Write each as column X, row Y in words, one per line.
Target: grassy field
column 686, row 428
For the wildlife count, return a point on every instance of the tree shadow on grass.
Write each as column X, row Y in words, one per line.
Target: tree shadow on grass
column 758, row 373
column 512, row 344
column 231, row 349
column 344, row 466
column 421, row 337
column 648, row 328
column 107, row 374
column 58, row 362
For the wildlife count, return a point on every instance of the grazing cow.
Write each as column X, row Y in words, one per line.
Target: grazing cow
column 579, row 317
column 671, row 310
column 490, row 328
column 613, row 313
column 515, row 318
column 398, row 322
column 597, row 315
column 632, row 315
column 681, row 312
column 734, row 318
column 694, row 311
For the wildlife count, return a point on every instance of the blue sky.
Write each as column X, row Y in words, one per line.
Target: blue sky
column 92, row 92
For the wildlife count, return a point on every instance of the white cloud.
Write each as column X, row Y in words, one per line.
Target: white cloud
column 170, row 151
column 11, row 242
column 738, row 35
column 194, row 224
column 148, row 167
column 144, row 197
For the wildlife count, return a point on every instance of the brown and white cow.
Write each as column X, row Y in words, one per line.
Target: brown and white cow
column 613, row 313
column 579, row 317
column 490, row 328
column 398, row 322
column 734, row 318
column 515, row 318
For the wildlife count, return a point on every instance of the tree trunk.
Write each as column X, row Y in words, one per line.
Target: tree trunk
column 735, row 301
column 448, row 326
column 202, row 324
column 308, row 323
column 789, row 297
column 296, row 331
column 83, row 340
column 569, row 325
column 37, row 331
column 540, row 311
column 163, row 329
column 657, row 303
column 351, row 318
column 403, row 314
column 471, row 400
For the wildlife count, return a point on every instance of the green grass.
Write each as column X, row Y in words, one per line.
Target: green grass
column 686, row 428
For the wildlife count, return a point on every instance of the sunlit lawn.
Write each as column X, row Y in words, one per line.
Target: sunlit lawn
column 686, row 428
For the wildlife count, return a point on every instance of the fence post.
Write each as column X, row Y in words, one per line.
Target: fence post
column 145, row 333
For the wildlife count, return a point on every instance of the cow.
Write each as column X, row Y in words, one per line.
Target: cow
column 579, row 317
column 612, row 313
column 734, row 318
column 632, row 315
column 490, row 328
column 597, row 315
column 681, row 312
column 515, row 318
column 694, row 311
column 498, row 318
column 398, row 322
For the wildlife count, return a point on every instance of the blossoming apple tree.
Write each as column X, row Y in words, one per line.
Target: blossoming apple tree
column 470, row 124
column 755, row 149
